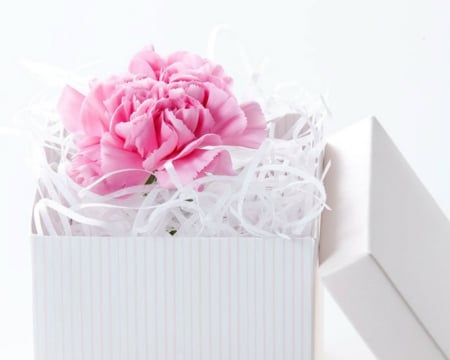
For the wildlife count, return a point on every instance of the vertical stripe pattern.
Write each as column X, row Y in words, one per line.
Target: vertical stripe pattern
column 173, row 298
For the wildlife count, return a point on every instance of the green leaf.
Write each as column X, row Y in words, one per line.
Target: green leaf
column 172, row 232
column 151, row 180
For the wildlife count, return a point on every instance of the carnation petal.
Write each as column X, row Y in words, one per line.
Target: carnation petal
column 186, row 60
column 91, row 152
column 85, row 167
column 220, row 165
column 115, row 100
column 120, row 115
column 256, row 130
column 139, row 134
column 114, row 157
column 147, row 63
column 185, row 135
column 83, row 141
column 197, row 164
column 190, row 117
column 228, row 116
column 197, row 92
column 69, row 106
column 205, row 122
column 203, row 141
column 93, row 113
column 158, row 156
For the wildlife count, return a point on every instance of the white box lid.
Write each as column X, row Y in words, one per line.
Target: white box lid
column 385, row 247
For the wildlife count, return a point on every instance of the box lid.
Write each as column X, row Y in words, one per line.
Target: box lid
column 385, row 247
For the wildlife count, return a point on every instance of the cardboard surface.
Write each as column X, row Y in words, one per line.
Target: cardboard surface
column 173, row 298
column 385, row 247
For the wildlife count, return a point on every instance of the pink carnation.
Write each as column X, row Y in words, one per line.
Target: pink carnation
column 177, row 109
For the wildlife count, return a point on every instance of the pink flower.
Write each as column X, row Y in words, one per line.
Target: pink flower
column 177, row 109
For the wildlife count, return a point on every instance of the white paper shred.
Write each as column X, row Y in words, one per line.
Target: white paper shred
column 277, row 189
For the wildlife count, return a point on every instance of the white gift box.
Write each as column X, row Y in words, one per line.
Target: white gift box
column 173, row 298
column 385, row 248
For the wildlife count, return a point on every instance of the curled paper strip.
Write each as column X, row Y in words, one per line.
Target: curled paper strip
column 277, row 190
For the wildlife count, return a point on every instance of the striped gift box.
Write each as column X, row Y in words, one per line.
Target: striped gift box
column 141, row 298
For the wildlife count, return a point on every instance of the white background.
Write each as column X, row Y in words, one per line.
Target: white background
column 384, row 58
